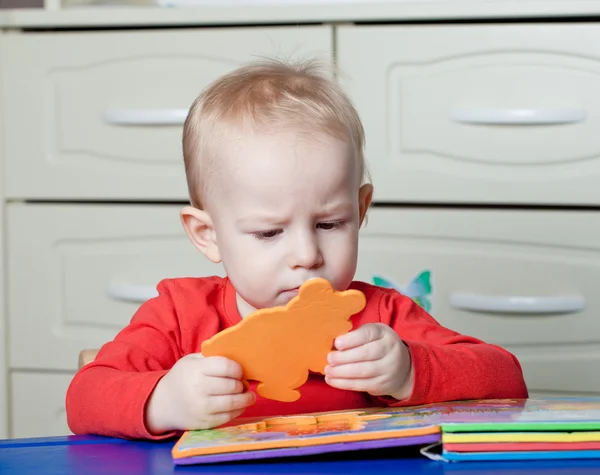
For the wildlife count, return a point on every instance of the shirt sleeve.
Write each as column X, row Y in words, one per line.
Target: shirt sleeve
column 109, row 395
column 449, row 366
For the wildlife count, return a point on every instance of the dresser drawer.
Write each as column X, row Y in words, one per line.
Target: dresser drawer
column 525, row 280
column 38, row 404
column 478, row 113
column 77, row 274
column 99, row 115
column 566, row 369
column 509, row 277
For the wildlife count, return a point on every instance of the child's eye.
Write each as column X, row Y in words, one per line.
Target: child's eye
column 332, row 225
column 264, row 235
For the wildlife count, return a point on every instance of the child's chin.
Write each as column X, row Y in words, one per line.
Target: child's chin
column 285, row 297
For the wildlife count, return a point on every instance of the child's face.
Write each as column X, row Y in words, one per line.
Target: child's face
column 286, row 208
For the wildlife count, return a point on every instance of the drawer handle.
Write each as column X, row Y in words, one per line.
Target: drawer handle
column 145, row 116
column 131, row 293
column 517, row 304
column 518, row 116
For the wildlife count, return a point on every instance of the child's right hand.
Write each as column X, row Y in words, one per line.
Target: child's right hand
column 197, row 393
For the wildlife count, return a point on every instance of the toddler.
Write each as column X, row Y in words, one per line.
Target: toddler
column 278, row 186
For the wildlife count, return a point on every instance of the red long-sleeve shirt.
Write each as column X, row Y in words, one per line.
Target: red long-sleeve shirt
column 109, row 395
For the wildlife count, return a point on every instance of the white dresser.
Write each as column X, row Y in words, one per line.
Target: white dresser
column 481, row 139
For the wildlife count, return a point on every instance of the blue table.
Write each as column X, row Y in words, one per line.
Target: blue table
column 97, row 455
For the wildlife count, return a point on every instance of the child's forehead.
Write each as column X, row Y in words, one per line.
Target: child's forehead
column 264, row 169
column 247, row 149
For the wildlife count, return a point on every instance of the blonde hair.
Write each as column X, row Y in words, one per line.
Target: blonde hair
column 266, row 94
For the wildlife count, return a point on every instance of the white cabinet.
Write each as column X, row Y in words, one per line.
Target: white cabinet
column 78, row 273
column 92, row 120
column 474, row 114
column 38, row 401
column 3, row 336
column 98, row 115
column 520, row 279
column 478, row 113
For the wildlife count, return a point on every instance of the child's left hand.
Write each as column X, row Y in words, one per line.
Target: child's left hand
column 371, row 359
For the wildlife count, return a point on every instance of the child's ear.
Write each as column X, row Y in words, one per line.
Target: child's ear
column 199, row 228
column 365, row 195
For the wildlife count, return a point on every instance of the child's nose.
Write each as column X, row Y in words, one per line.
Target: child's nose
column 306, row 253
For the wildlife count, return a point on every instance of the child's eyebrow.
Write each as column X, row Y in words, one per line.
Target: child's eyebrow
column 328, row 210
column 262, row 218
column 336, row 208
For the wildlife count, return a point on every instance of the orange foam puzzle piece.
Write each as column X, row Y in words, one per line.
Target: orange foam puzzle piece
column 278, row 346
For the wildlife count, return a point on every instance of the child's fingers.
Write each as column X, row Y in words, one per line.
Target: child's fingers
column 216, row 386
column 363, row 370
column 361, row 336
column 230, row 402
column 372, row 351
column 362, row 385
column 221, row 367
column 224, row 417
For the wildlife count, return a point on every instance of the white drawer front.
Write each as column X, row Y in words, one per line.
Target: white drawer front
column 503, row 276
column 472, row 113
column 513, row 267
column 568, row 369
column 38, row 404
column 77, row 274
column 99, row 115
